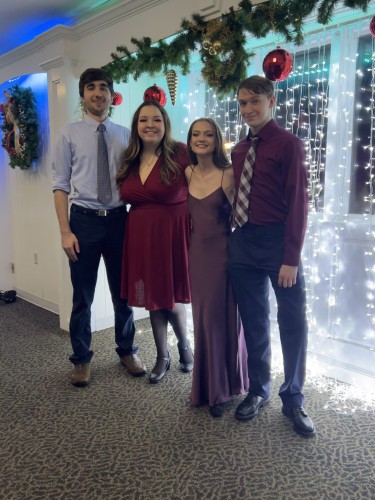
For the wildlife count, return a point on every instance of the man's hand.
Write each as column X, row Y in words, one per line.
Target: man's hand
column 69, row 241
column 287, row 276
column 70, row 246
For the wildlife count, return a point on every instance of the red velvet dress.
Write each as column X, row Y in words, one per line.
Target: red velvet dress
column 155, row 256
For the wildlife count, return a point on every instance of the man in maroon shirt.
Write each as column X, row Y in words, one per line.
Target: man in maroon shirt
column 266, row 246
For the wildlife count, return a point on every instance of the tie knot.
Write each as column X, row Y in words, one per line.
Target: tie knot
column 101, row 127
column 254, row 140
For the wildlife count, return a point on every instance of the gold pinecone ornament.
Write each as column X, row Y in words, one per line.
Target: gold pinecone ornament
column 172, row 80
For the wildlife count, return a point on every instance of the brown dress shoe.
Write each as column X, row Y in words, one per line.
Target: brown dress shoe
column 134, row 365
column 81, row 375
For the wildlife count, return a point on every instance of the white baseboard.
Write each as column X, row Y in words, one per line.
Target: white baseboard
column 38, row 301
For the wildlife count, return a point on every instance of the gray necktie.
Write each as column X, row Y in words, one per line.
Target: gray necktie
column 103, row 177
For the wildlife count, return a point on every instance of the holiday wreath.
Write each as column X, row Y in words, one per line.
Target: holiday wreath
column 20, row 126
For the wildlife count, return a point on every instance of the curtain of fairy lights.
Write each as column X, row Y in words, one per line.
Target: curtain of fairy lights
column 362, row 201
column 367, row 80
column 370, row 254
column 302, row 108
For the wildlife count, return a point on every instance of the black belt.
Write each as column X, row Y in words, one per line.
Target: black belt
column 99, row 213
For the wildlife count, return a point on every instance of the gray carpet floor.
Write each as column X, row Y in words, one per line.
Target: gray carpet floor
column 123, row 438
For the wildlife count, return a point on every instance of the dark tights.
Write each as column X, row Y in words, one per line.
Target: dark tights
column 159, row 322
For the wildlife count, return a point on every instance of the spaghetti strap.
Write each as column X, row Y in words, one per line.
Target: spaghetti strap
column 222, row 178
column 192, row 170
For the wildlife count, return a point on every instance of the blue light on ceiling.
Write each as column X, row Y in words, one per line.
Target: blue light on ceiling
column 25, row 30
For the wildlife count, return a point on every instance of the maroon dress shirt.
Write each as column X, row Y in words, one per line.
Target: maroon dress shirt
column 279, row 185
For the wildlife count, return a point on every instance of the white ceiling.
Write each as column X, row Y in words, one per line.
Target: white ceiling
column 23, row 20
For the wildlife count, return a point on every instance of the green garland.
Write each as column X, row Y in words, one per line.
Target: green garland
column 20, row 127
column 222, row 42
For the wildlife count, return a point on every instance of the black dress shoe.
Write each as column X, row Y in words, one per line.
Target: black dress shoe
column 160, row 369
column 302, row 423
column 250, row 407
column 186, row 358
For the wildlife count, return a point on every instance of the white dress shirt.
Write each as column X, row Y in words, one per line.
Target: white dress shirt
column 74, row 160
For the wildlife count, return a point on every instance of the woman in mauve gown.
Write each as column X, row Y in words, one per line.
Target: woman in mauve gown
column 155, row 259
column 220, row 357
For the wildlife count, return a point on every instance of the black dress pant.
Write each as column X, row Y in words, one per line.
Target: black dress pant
column 255, row 258
column 98, row 236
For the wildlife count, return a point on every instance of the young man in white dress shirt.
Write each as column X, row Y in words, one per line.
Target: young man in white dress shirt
column 93, row 228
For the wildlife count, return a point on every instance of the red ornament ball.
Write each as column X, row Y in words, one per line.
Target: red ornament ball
column 155, row 93
column 116, row 99
column 277, row 65
column 372, row 26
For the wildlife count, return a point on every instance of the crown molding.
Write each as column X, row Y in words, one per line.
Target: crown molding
column 37, row 45
column 57, row 62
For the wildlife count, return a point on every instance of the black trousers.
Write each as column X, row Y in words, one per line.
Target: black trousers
column 98, row 236
column 255, row 258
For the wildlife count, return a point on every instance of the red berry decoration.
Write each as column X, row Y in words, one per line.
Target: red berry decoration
column 372, row 26
column 116, row 99
column 155, row 93
column 277, row 64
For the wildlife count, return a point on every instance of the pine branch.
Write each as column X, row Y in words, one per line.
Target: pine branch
column 222, row 42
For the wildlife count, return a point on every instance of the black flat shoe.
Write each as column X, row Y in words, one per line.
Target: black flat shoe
column 217, row 411
column 186, row 358
column 161, row 367
column 250, row 406
column 302, row 423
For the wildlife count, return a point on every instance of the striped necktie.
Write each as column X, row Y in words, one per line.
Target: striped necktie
column 103, row 176
column 241, row 211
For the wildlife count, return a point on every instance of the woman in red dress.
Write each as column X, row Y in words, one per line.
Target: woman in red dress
column 155, row 259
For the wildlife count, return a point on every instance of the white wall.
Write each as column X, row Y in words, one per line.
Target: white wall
column 7, row 279
column 28, row 225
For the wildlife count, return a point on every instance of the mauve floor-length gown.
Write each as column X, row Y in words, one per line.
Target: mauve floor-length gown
column 220, row 357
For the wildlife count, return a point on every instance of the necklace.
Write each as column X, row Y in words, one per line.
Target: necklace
column 149, row 161
column 203, row 174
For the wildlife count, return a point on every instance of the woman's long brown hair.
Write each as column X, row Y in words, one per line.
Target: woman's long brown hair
column 166, row 148
column 219, row 157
